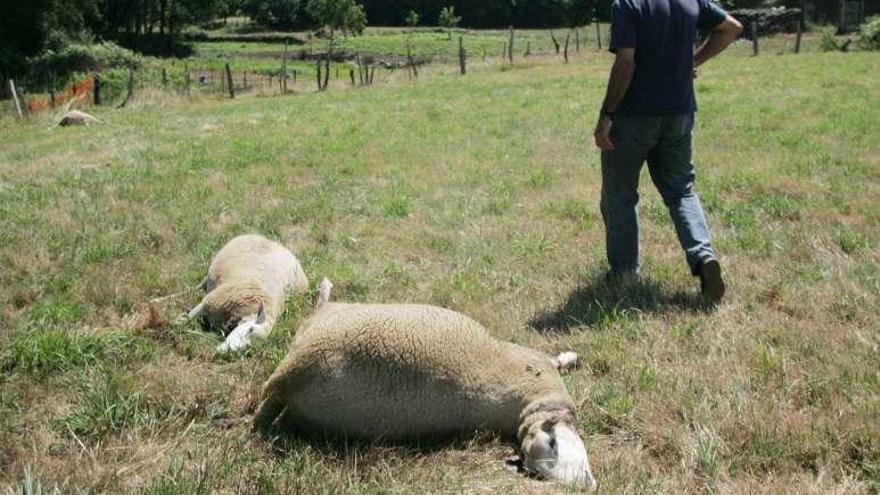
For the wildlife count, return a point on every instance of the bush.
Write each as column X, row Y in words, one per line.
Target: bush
column 869, row 34
column 828, row 43
column 78, row 57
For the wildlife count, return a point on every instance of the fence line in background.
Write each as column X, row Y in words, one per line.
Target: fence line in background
column 226, row 81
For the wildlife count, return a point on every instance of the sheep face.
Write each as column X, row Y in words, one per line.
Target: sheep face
column 249, row 327
column 553, row 450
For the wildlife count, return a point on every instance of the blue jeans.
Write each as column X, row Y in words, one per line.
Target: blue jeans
column 666, row 144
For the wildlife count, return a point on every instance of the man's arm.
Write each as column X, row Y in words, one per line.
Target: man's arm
column 720, row 38
column 618, row 83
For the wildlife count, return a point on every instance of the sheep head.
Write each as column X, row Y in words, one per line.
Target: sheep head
column 248, row 327
column 553, row 449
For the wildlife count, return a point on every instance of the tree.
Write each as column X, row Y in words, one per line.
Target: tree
column 343, row 15
column 278, row 14
column 448, row 19
column 412, row 19
column 577, row 12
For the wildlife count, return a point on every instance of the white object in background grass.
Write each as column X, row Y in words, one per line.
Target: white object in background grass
column 247, row 286
column 406, row 372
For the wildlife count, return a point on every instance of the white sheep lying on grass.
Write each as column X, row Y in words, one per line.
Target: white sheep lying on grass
column 247, row 286
column 409, row 372
column 76, row 117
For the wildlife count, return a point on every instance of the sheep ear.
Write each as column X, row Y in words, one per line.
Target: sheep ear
column 261, row 315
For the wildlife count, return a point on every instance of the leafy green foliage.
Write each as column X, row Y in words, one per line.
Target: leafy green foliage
column 338, row 15
column 829, row 43
column 29, row 28
column 447, row 18
column 577, row 12
column 413, row 18
column 79, row 57
column 276, row 14
column 869, row 34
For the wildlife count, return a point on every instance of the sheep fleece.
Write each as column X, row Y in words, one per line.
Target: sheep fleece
column 406, row 371
column 247, row 270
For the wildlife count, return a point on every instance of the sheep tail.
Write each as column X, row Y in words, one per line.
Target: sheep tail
column 324, row 289
column 202, row 285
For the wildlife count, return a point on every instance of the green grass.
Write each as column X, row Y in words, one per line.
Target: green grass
column 61, row 351
column 479, row 193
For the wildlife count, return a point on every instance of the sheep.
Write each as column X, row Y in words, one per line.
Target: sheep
column 76, row 117
column 399, row 372
column 247, row 286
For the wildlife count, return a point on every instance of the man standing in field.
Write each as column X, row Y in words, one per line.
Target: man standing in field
column 648, row 114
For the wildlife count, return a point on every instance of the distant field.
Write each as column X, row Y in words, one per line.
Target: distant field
column 478, row 193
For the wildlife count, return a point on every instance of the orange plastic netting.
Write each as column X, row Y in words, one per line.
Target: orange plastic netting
column 79, row 91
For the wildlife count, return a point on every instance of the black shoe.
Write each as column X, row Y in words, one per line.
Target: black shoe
column 711, row 284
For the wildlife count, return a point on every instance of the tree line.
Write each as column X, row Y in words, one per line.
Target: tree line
column 31, row 27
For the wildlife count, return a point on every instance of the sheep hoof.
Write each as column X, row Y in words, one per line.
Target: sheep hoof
column 565, row 361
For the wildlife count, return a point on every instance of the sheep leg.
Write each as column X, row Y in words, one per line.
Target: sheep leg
column 565, row 361
column 324, row 289
column 270, row 410
column 197, row 311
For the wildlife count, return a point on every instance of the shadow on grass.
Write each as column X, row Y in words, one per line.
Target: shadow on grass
column 595, row 302
column 287, row 440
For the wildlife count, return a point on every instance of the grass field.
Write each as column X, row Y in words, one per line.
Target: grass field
column 478, row 193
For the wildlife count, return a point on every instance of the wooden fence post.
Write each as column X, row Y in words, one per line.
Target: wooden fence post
column 229, row 81
column 528, row 48
column 351, row 75
column 15, row 101
column 130, row 92
column 294, row 77
column 97, row 90
column 326, row 72
column 186, row 70
column 461, row 56
column 318, row 71
column 284, row 70
column 577, row 39
column 164, row 77
column 755, row 38
column 510, row 47
column 413, row 72
column 52, row 89
column 598, row 32
column 565, row 52
column 24, row 108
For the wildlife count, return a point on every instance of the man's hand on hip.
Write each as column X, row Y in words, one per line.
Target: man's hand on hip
column 602, row 134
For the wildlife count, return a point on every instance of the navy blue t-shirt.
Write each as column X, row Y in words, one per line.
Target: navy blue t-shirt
column 663, row 34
